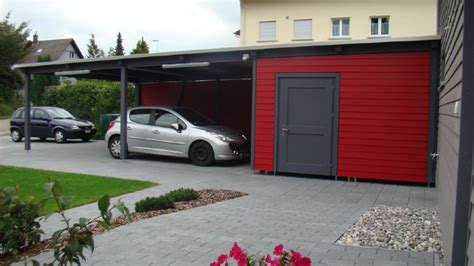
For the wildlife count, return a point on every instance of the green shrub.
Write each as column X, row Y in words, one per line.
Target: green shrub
column 18, row 227
column 154, row 203
column 5, row 109
column 166, row 201
column 87, row 99
column 183, row 194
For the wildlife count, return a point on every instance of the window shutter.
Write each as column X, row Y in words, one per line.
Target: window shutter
column 267, row 31
column 303, row 29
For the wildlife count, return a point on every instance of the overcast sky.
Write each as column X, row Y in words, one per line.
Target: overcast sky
column 177, row 24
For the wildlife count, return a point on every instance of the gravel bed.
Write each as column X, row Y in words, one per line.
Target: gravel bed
column 396, row 228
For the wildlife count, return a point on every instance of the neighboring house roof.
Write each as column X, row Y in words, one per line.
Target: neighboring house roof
column 53, row 48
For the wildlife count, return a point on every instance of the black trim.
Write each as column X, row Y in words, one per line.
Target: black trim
column 335, row 124
column 78, row 51
column 27, row 112
column 433, row 115
column 137, row 96
column 254, row 106
column 110, row 69
column 464, row 184
column 123, row 112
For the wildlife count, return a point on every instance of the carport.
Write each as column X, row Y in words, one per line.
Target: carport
column 152, row 71
column 360, row 109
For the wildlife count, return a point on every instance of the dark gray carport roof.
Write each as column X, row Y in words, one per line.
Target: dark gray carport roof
column 225, row 63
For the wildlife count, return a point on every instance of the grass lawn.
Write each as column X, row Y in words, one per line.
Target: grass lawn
column 2, row 117
column 85, row 188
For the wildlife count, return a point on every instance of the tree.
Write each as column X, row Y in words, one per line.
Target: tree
column 41, row 82
column 141, row 48
column 93, row 51
column 14, row 46
column 119, row 50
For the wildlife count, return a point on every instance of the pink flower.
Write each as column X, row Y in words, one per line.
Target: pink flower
column 278, row 251
column 242, row 261
column 222, row 259
column 236, row 252
column 214, row 263
column 272, row 262
column 298, row 260
column 305, row 261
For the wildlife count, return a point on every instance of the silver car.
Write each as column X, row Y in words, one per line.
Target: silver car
column 179, row 132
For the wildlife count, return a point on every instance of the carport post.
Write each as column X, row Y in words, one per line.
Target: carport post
column 123, row 111
column 27, row 128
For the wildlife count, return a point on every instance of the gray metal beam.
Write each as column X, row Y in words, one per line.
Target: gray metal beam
column 217, row 103
column 138, row 91
column 179, row 101
column 123, row 112
column 464, row 183
column 254, row 106
column 27, row 128
column 433, row 115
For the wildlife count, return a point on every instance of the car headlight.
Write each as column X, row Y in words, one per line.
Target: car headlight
column 221, row 137
column 74, row 127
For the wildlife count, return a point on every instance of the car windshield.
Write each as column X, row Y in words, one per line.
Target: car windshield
column 194, row 118
column 59, row 113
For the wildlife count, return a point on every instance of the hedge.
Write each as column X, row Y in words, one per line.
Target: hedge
column 88, row 99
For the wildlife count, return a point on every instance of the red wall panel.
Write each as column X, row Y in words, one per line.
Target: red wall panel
column 232, row 106
column 383, row 112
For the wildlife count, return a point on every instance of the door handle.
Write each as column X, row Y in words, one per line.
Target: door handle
column 284, row 130
column 156, row 131
column 129, row 128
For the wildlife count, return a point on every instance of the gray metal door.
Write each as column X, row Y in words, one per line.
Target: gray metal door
column 306, row 124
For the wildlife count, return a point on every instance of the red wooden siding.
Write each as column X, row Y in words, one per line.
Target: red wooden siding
column 234, row 99
column 383, row 116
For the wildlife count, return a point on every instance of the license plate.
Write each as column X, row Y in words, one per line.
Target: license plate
column 88, row 131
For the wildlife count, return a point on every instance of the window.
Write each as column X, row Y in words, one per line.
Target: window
column 303, row 29
column 340, row 27
column 19, row 114
column 72, row 55
column 379, row 26
column 165, row 119
column 140, row 116
column 267, row 31
column 40, row 114
column 193, row 117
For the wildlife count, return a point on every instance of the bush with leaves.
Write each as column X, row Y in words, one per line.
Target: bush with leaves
column 87, row 99
column 166, row 201
column 18, row 227
column 154, row 203
column 183, row 194
column 71, row 241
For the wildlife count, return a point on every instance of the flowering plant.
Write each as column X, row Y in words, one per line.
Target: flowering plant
column 280, row 257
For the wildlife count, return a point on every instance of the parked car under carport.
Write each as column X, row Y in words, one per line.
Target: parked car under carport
column 361, row 124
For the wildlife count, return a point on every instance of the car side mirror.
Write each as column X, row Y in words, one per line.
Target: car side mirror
column 177, row 127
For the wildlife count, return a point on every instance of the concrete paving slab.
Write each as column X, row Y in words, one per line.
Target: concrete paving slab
column 300, row 212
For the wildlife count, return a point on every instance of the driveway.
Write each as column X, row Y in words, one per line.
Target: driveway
column 307, row 214
column 4, row 127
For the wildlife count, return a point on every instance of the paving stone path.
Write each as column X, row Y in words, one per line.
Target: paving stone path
column 306, row 214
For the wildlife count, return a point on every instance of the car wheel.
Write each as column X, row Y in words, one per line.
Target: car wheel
column 16, row 135
column 59, row 136
column 114, row 147
column 202, row 154
column 86, row 139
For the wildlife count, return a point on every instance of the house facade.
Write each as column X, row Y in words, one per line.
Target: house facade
column 276, row 21
column 56, row 50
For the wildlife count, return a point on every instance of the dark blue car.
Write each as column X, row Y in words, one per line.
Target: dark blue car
column 51, row 122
